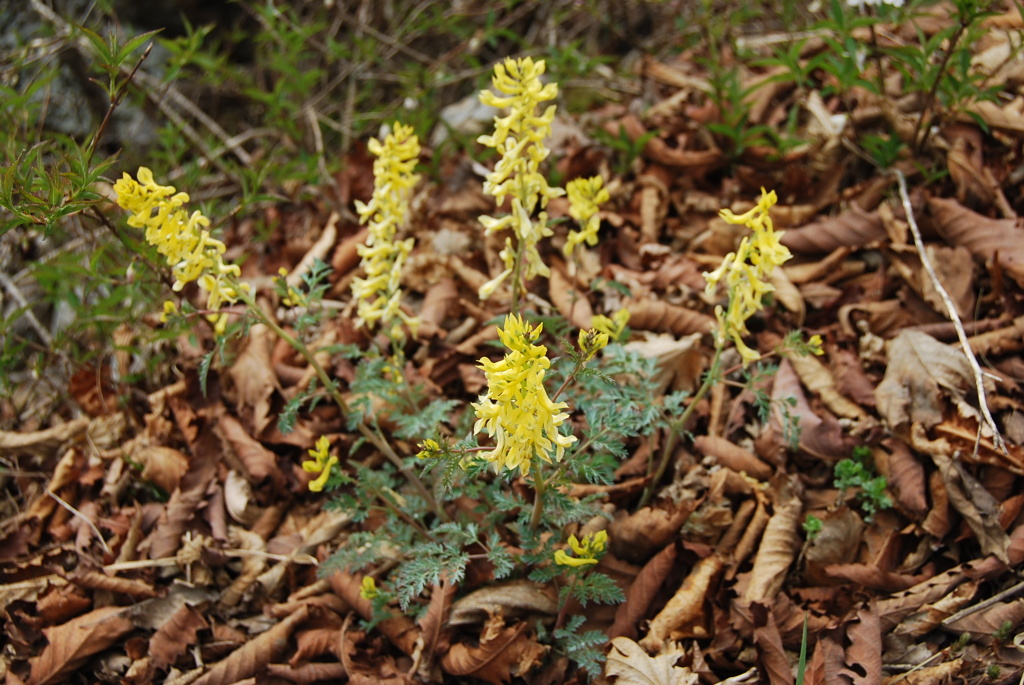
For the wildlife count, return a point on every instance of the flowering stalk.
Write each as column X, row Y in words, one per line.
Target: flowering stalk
column 519, row 139
column 380, row 294
column 586, row 195
column 183, row 240
column 745, row 272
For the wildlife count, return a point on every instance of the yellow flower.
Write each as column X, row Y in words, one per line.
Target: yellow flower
column 429, row 449
column 183, row 240
column 321, row 463
column 519, row 138
column 516, row 410
column 588, row 551
column 379, row 293
column 591, row 342
column 615, row 326
column 585, row 196
column 368, row 588
column 814, row 345
column 745, row 273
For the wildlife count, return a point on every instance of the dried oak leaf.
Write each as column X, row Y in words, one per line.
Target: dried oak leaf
column 999, row 239
column 864, row 655
column 71, row 643
column 919, row 368
column 853, row 228
column 509, row 653
column 629, row 664
column 175, row 636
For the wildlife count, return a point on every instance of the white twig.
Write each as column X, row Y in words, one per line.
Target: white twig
column 979, row 376
column 83, row 517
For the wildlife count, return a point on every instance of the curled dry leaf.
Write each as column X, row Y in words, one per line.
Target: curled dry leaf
column 683, row 616
column 75, row 641
column 836, row 543
column 661, row 317
column 979, row 509
column 510, row 599
column 905, row 475
column 635, row 537
column 987, row 239
column 919, row 368
column 629, row 664
column 853, row 228
column 259, row 462
column 641, row 593
column 733, row 456
column 496, row 660
column 778, row 548
column 254, row 655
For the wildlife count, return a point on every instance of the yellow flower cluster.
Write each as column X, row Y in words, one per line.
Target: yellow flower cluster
column 183, row 240
column 379, row 294
column 614, row 326
column 519, row 139
column 745, row 272
column 591, row 342
column 516, row 411
column 368, row 588
column 321, row 464
column 588, row 551
column 585, row 197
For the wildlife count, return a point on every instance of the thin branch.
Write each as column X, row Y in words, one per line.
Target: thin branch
column 979, row 376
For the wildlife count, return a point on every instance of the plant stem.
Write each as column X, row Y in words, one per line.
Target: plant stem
column 375, row 439
column 929, row 103
column 539, row 487
column 676, row 427
column 565, row 605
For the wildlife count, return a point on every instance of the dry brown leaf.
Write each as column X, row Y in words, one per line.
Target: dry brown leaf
column 779, row 546
column 635, row 537
column 836, row 543
column 732, row 456
column 966, row 494
column 788, row 295
column 73, row 642
column 987, row 239
column 853, row 228
column 166, row 537
column 399, row 628
column 308, row 673
column 175, row 636
column 1009, row 117
column 820, row 432
column 629, row 664
column 641, row 593
column 253, row 376
column 259, row 462
column 661, row 317
column 769, row 645
column 164, row 466
column 570, row 301
column 871, row 576
column 905, row 475
column 817, row 378
column 254, row 655
column 679, row 362
column 919, row 368
column 310, row 644
column 684, row 614
column 864, row 654
column 41, row 443
column 991, row 620
column 497, row 660
column 434, row 638
column 511, row 599
column 931, row 615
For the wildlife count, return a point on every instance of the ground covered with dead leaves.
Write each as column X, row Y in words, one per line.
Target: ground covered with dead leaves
column 172, row 537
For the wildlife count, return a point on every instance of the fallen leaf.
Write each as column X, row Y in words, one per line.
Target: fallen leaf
column 987, row 239
column 175, row 636
column 641, row 593
column 629, row 664
column 686, row 608
column 508, row 654
column 853, row 228
column 679, row 362
column 864, row 654
column 919, row 369
column 71, row 643
column 778, row 548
